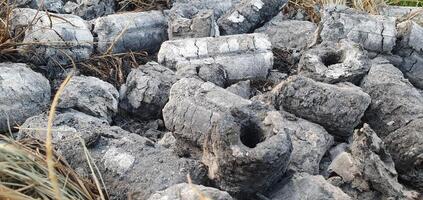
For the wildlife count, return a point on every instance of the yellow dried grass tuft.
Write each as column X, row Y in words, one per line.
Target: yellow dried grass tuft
column 24, row 173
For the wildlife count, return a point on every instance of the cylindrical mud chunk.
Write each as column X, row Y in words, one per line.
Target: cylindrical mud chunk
column 334, row 62
column 23, row 94
column 125, row 32
column 229, row 135
column 395, row 102
column 242, row 57
column 146, row 90
column 339, row 108
column 248, row 15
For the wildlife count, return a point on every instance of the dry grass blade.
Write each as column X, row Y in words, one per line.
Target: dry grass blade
column 49, row 145
column 201, row 196
column 143, row 5
column 24, row 174
column 94, row 176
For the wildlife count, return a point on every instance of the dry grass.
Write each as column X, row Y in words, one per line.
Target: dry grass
column 370, row 6
column 7, row 43
column 113, row 67
column 143, row 5
column 24, row 173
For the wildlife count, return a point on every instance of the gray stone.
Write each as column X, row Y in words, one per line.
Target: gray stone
column 395, row 113
column 334, row 62
column 23, row 94
column 374, row 32
column 288, row 34
column 303, row 186
column 242, row 57
column 309, row 141
column 248, row 15
column 49, row 5
column 91, row 96
column 242, row 89
column 275, row 77
column 243, row 154
column 21, row 3
column 213, row 72
column 70, row 130
column 86, row 9
column 339, row 108
column 410, row 48
column 192, row 25
column 146, row 90
column 409, row 62
column 338, row 149
column 368, row 168
column 136, row 31
column 128, row 163
column 168, row 140
column 403, row 12
column 395, row 102
column 90, row 9
column 410, row 34
column 406, row 148
column 58, row 38
column 184, row 191
column 218, row 6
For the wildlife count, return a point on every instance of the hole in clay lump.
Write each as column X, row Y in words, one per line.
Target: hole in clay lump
column 251, row 135
column 332, row 58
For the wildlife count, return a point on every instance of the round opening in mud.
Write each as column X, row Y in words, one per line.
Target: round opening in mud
column 251, row 135
column 332, row 58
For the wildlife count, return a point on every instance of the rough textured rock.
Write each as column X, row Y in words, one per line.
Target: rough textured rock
column 129, row 163
column 339, row 108
column 68, row 130
column 288, row 38
column 395, row 102
column 368, row 168
column 168, row 140
column 374, row 32
column 59, row 37
column 334, row 62
column 124, row 32
column 402, row 12
column 23, row 93
column 395, row 113
column 184, row 191
column 406, row 148
column 90, row 9
column 87, row 9
column 186, row 24
column 303, row 186
column 146, row 90
column 218, row 6
column 239, row 57
column 248, row 15
column 309, row 141
column 410, row 48
column 410, row 34
column 243, row 154
column 275, row 77
column 242, row 89
column 91, row 96
column 409, row 63
column 141, row 168
column 288, row 34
